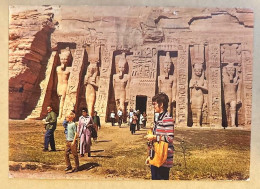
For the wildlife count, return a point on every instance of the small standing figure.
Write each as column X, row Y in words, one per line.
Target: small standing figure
column 138, row 120
column 133, row 123
column 198, row 86
column 144, row 119
column 120, row 117
column 231, row 84
column 71, row 144
column 97, row 125
column 130, row 115
column 63, row 73
column 113, row 117
column 84, row 132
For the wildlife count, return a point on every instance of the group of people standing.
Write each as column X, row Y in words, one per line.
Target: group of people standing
column 163, row 130
column 135, row 119
column 87, row 128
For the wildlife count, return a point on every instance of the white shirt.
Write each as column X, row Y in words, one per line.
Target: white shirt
column 112, row 115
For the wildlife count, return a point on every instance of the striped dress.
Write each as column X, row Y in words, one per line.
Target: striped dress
column 164, row 131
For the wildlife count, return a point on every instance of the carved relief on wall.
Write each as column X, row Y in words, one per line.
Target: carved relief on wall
column 231, row 80
column 247, row 85
column 182, row 86
column 198, row 85
column 74, row 84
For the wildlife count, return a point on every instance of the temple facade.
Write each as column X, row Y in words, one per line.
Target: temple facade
column 106, row 58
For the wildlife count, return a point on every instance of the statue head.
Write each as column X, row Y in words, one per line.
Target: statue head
column 122, row 63
column 93, row 54
column 231, row 70
column 198, row 69
column 64, row 57
column 167, row 63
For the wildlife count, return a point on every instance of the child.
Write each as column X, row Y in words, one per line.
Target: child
column 71, row 144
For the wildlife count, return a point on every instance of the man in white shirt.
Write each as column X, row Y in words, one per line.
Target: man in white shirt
column 113, row 117
column 120, row 116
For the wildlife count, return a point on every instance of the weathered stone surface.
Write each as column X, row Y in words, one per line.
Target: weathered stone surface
column 198, row 46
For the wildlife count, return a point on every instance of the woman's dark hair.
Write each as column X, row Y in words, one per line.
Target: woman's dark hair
column 85, row 110
column 161, row 98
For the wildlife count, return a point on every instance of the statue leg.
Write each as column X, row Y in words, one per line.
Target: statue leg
column 62, row 99
column 199, row 116
column 227, row 109
column 194, row 116
column 233, row 105
column 90, row 98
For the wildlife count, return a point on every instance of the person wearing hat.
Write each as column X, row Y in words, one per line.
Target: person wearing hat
column 84, row 132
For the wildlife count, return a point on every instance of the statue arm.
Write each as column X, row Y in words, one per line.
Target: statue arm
column 204, row 87
column 239, row 92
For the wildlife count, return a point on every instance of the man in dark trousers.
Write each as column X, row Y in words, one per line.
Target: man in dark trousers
column 50, row 126
column 97, row 125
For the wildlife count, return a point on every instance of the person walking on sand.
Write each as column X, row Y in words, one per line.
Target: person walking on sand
column 163, row 130
column 71, row 144
column 84, row 132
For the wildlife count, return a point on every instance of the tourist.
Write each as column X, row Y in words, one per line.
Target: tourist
column 130, row 115
column 65, row 122
column 113, row 117
column 162, row 131
column 138, row 120
column 120, row 116
column 144, row 120
column 50, row 126
column 97, row 125
column 71, row 144
column 133, row 123
column 84, row 132
column 141, row 120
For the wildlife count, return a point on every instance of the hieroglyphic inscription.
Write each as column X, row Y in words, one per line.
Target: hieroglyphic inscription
column 247, row 73
column 215, row 117
column 143, row 68
column 103, row 88
column 74, row 81
column 182, row 84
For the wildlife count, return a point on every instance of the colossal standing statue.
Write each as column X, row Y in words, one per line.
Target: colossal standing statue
column 90, row 80
column 167, row 82
column 63, row 73
column 120, row 81
column 198, row 86
column 231, row 85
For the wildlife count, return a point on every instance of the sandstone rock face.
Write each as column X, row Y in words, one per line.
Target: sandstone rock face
column 202, row 58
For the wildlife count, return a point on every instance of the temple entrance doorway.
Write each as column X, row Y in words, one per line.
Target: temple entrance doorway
column 141, row 103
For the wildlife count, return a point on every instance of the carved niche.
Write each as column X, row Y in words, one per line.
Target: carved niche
column 231, row 83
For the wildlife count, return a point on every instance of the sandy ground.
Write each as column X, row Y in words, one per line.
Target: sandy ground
column 109, row 138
